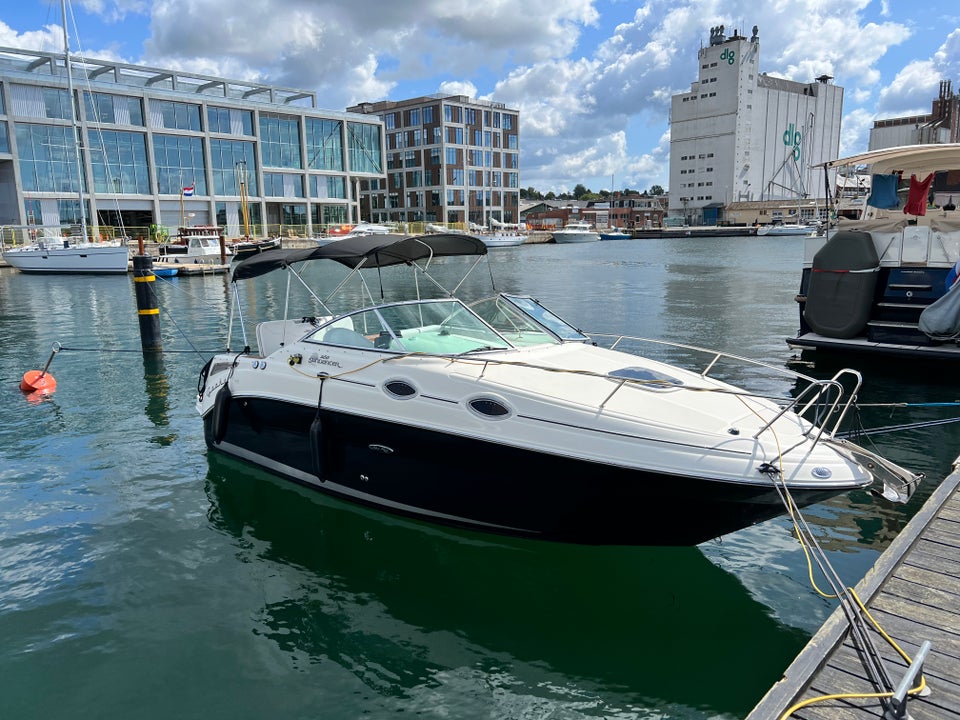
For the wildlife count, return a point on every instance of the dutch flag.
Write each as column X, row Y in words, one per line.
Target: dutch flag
column 188, row 191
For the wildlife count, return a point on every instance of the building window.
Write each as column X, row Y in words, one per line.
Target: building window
column 414, row 117
column 282, row 185
column 174, row 115
column 456, row 177
column 451, row 156
column 280, row 141
column 57, row 103
column 47, row 158
column 4, row 138
column 229, row 121
column 324, row 144
column 363, row 148
column 226, row 157
column 113, row 109
column 178, row 160
column 428, row 115
column 390, row 121
column 120, row 166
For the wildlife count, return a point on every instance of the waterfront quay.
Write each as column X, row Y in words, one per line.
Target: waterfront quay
column 913, row 592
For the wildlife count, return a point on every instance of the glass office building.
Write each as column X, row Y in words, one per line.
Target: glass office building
column 164, row 147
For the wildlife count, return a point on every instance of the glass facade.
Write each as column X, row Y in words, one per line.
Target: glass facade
column 364, row 148
column 113, row 109
column 324, row 144
column 175, row 115
column 280, row 141
column 282, row 185
column 328, row 186
column 145, row 135
column 47, row 158
column 179, row 164
column 229, row 121
column 224, row 158
column 119, row 162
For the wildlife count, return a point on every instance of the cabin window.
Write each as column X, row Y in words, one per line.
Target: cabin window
column 400, row 389
column 489, row 408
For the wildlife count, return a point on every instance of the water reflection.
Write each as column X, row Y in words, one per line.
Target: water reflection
column 398, row 602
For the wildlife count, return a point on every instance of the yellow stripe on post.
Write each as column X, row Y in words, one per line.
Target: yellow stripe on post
column 146, row 278
column 149, row 311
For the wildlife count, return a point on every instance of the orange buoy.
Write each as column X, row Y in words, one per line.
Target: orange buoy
column 39, row 381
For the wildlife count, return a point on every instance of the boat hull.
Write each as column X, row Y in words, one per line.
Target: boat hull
column 575, row 237
column 93, row 259
column 481, row 485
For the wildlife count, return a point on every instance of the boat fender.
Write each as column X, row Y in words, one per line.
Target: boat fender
column 221, row 412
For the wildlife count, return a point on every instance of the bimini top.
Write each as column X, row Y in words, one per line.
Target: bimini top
column 910, row 159
column 366, row 250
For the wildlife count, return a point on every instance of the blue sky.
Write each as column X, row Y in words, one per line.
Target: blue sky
column 591, row 78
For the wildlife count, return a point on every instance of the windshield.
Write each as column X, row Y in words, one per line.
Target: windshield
column 524, row 321
column 434, row 327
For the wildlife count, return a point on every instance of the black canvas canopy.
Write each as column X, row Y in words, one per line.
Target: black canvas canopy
column 368, row 250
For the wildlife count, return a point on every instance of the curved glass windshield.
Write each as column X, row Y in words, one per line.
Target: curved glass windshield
column 524, row 321
column 434, row 327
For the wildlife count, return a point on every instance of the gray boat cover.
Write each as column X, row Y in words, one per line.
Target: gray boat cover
column 941, row 319
column 842, row 283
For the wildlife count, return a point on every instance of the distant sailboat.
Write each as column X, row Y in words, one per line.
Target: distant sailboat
column 48, row 250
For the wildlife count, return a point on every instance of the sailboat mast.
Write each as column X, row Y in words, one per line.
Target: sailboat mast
column 74, row 125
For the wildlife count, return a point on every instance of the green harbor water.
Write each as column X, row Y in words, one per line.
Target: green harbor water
column 142, row 577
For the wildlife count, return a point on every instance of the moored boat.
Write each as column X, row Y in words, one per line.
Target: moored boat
column 867, row 284
column 249, row 246
column 497, row 416
column 47, row 250
column 578, row 231
column 615, row 234
column 503, row 239
column 197, row 245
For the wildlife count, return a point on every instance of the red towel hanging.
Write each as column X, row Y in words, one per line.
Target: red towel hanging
column 917, row 197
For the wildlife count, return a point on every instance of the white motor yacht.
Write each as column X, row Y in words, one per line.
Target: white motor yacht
column 500, row 417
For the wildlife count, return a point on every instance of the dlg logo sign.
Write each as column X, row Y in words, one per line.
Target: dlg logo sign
column 728, row 55
column 793, row 137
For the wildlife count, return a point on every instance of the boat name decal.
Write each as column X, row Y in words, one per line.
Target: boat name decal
column 316, row 359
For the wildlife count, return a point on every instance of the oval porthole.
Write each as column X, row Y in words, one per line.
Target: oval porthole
column 399, row 389
column 488, row 407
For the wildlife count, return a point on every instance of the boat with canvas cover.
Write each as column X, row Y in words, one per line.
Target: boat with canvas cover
column 867, row 284
column 497, row 416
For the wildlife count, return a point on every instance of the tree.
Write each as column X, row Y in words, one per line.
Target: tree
column 656, row 190
column 550, row 196
column 579, row 191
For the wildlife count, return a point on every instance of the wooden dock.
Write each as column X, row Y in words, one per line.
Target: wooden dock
column 913, row 592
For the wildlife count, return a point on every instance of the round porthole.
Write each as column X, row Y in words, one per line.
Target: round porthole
column 490, row 408
column 399, row 389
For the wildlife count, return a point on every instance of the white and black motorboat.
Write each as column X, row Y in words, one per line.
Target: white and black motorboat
column 868, row 285
column 498, row 416
column 196, row 245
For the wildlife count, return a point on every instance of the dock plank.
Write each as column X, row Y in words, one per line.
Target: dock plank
column 913, row 592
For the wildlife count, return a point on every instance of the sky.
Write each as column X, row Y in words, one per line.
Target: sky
column 592, row 79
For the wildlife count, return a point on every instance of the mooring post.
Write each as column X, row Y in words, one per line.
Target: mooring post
column 148, row 310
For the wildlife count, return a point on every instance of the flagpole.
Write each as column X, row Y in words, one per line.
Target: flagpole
column 181, row 205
